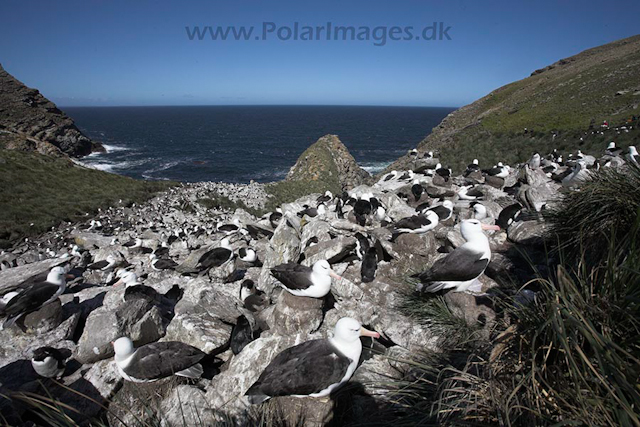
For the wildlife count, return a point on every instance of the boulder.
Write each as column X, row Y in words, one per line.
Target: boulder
column 137, row 319
column 293, row 314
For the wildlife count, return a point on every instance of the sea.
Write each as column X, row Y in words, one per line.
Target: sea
column 243, row 143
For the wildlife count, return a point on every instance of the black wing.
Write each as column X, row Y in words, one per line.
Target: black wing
column 214, row 258
column 413, row 222
column 255, row 232
column 458, row 266
column 304, row 369
column 162, row 359
column 442, row 212
column 31, row 299
column 292, row 275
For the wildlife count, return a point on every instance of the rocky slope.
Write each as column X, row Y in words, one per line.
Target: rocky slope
column 30, row 122
column 558, row 106
column 202, row 309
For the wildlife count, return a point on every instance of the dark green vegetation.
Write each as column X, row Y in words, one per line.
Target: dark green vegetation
column 44, row 191
column 563, row 99
column 571, row 355
column 610, row 201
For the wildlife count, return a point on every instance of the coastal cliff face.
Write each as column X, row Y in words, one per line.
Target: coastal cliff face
column 30, row 122
column 560, row 106
column 329, row 160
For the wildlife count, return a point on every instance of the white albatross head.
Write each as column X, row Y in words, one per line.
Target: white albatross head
column 471, row 229
column 349, row 330
column 57, row 276
column 323, row 268
column 123, row 347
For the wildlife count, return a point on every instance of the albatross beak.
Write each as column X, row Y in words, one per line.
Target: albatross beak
column 70, row 276
column 364, row 332
column 119, row 282
column 490, row 227
column 334, row 275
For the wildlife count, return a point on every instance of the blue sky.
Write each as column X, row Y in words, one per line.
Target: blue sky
column 112, row 52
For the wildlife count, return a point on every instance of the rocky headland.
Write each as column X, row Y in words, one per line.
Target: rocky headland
column 30, row 122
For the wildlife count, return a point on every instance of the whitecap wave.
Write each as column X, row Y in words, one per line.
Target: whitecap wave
column 113, row 148
column 374, row 167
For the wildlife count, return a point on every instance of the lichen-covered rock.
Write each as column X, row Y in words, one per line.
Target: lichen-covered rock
column 328, row 160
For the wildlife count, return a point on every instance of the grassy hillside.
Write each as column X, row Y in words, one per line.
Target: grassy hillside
column 38, row 192
column 563, row 99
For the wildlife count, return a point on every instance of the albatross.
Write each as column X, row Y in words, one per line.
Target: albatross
column 314, row 368
column 303, row 281
column 157, row 360
column 34, row 296
column 461, row 268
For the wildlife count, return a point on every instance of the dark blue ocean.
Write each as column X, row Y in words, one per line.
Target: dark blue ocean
column 241, row 143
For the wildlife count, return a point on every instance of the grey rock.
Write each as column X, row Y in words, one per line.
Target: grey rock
column 136, row 319
column 293, row 314
column 527, row 232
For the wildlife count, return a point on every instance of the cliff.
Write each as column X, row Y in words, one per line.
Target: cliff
column 560, row 106
column 30, row 122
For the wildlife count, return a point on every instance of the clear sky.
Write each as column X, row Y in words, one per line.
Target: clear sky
column 138, row 52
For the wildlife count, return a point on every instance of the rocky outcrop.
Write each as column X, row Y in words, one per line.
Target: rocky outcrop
column 30, row 122
column 329, row 160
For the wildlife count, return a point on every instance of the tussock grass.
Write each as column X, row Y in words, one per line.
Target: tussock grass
column 45, row 191
column 569, row 357
column 607, row 203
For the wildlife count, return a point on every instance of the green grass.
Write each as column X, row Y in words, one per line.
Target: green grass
column 607, row 203
column 44, row 191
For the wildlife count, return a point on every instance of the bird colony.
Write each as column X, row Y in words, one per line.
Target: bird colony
column 236, row 310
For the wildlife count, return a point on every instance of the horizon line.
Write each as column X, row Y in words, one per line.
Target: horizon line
column 257, row 105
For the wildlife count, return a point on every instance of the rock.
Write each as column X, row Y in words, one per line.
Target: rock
column 473, row 309
column 527, row 232
column 328, row 160
column 45, row 319
column 329, row 249
column 293, row 314
column 186, row 406
column 89, row 240
column 226, row 392
column 284, row 246
column 204, row 317
column 104, row 377
column 136, row 319
column 26, row 113
column 23, row 344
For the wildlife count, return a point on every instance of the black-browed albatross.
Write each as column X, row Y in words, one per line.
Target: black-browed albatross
column 314, row 368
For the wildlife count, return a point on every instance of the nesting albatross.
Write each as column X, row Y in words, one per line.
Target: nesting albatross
column 303, row 281
column 314, row 368
column 157, row 360
column 461, row 268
